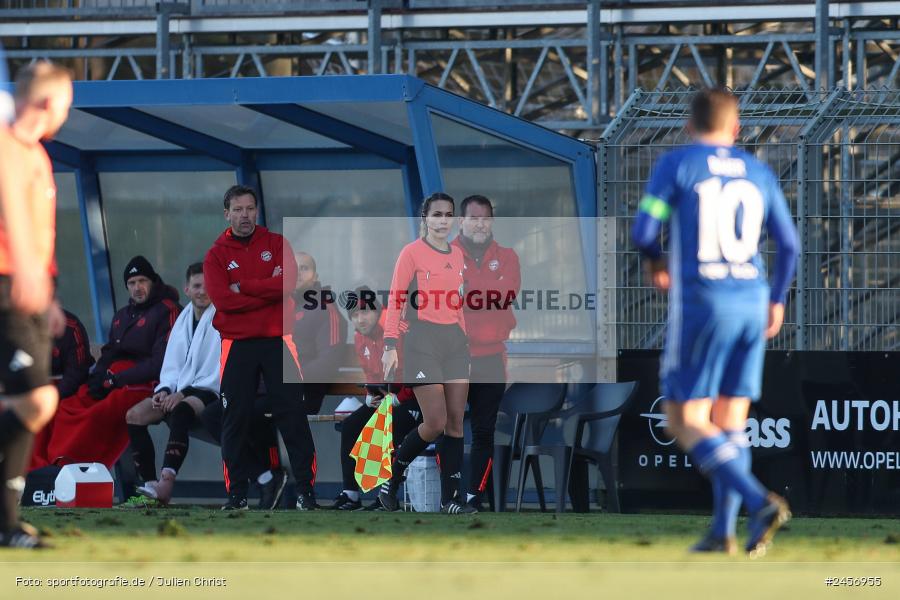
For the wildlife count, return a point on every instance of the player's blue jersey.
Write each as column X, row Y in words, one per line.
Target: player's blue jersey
column 719, row 201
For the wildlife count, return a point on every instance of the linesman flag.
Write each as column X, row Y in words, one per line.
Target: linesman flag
column 373, row 449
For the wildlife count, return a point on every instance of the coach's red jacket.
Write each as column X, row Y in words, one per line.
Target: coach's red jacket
column 496, row 271
column 370, row 348
column 264, row 307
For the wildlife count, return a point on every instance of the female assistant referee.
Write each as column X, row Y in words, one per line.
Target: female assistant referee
column 427, row 290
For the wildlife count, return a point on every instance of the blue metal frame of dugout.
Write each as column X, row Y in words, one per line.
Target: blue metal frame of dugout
column 339, row 123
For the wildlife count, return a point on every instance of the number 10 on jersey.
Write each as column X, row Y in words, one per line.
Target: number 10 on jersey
column 721, row 249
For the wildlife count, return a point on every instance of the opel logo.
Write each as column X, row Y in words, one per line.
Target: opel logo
column 657, row 422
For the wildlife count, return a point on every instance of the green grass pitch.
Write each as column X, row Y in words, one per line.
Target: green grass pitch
column 180, row 552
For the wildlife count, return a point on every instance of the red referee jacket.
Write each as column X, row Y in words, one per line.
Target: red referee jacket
column 263, row 307
column 498, row 273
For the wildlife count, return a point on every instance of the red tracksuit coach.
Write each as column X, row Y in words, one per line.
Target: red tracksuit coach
column 250, row 273
column 492, row 281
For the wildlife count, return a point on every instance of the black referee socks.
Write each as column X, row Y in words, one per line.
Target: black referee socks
column 450, row 455
column 15, row 451
column 412, row 446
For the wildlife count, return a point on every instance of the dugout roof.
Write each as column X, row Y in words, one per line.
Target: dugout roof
column 121, row 133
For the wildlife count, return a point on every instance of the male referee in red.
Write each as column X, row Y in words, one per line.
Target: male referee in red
column 250, row 273
column 28, row 314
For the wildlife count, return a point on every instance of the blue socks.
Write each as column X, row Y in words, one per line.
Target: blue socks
column 720, row 459
column 727, row 502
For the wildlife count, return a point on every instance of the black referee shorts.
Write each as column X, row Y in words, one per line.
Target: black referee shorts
column 434, row 353
column 25, row 347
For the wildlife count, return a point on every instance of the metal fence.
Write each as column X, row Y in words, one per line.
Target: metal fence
column 837, row 156
column 18, row 9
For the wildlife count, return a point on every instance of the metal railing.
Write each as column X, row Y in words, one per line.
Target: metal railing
column 24, row 9
column 837, row 156
column 571, row 74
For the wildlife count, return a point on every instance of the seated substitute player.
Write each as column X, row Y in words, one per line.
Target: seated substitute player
column 90, row 425
column 717, row 200
column 319, row 333
column 71, row 360
column 188, row 381
column 367, row 317
column 70, row 365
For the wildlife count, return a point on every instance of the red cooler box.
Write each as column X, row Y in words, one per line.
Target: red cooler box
column 84, row 485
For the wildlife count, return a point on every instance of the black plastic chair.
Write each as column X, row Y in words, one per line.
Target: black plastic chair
column 524, row 413
column 550, row 438
column 600, row 413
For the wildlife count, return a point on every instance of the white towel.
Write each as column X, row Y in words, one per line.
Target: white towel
column 192, row 357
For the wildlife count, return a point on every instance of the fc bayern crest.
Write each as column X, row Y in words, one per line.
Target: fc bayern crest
column 494, row 265
column 266, row 256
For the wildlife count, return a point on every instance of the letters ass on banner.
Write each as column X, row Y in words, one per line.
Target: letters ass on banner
column 826, row 434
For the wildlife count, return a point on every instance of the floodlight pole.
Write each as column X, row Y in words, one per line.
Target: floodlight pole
column 823, row 46
column 596, row 59
column 164, row 11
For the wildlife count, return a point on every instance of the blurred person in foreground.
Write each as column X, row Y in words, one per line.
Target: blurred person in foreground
column 29, row 316
column 717, row 201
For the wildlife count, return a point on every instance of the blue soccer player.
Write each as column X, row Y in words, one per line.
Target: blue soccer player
column 717, row 201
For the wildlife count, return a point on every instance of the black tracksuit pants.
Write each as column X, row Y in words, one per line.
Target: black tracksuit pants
column 486, row 390
column 262, row 435
column 243, row 362
column 352, row 426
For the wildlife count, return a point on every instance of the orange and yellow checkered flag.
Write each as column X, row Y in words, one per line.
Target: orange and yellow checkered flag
column 374, row 447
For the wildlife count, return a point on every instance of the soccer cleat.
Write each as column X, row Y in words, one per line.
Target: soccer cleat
column 148, row 490
column 455, row 507
column 141, row 502
column 236, row 502
column 712, row 543
column 306, row 502
column 343, row 502
column 764, row 523
column 271, row 492
column 376, row 505
column 387, row 495
column 22, row 536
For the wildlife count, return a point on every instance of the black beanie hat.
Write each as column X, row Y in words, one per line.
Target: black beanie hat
column 140, row 266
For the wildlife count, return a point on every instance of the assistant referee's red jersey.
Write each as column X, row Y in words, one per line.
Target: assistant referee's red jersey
column 427, row 285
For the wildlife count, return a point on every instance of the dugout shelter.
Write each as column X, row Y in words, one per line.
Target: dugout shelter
column 141, row 167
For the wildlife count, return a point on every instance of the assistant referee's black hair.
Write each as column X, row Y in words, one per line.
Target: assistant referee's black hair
column 426, row 206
